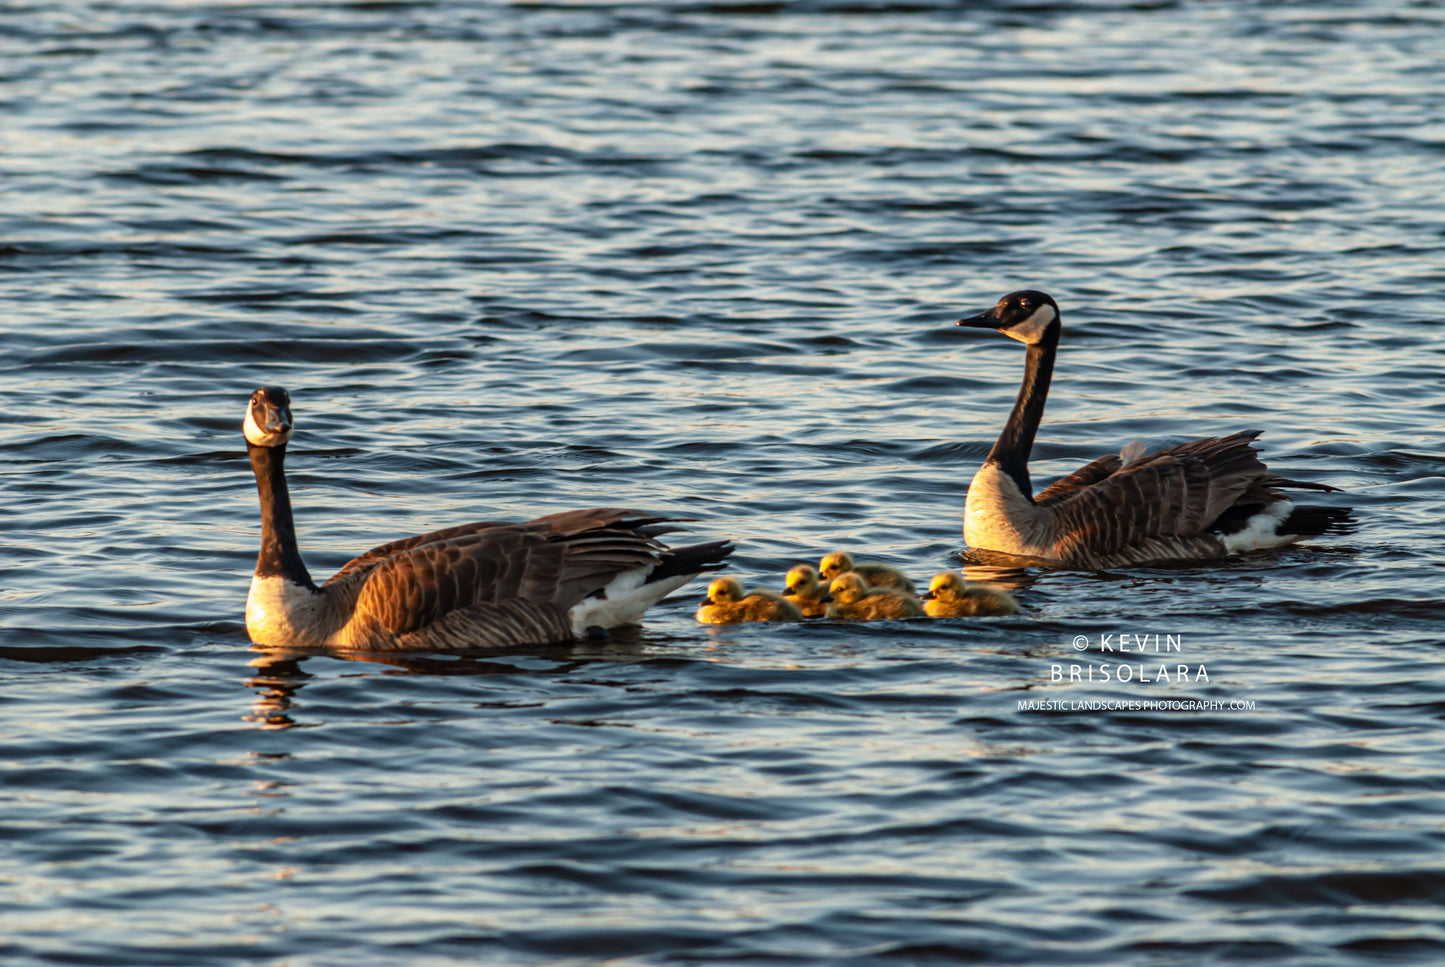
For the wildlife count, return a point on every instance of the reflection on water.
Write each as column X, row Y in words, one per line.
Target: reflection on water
column 1008, row 571
column 276, row 682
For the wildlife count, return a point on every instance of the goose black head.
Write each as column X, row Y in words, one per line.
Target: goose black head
column 1026, row 316
column 268, row 417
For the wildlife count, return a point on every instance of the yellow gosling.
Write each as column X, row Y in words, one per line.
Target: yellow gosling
column 853, row 600
column 726, row 603
column 802, row 588
column 874, row 575
column 950, row 596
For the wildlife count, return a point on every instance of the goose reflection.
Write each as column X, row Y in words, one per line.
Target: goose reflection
column 279, row 677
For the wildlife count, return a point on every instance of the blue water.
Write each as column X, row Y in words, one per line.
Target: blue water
column 704, row 258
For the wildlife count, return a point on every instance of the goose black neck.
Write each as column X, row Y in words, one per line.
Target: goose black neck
column 1011, row 451
column 279, row 553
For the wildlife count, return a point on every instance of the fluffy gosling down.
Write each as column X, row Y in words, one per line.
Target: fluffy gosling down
column 950, row 596
column 803, row 589
column 874, row 575
column 726, row 603
column 853, row 600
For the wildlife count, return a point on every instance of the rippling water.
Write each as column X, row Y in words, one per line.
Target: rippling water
column 704, row 257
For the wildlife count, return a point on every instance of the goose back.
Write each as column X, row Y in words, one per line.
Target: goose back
column 515, row 581
column 1165, row 506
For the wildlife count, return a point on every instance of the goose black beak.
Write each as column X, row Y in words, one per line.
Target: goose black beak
column 926, row 596
column 984, row 320
column 826, row 599
column 788, row 591
column 270, row 418
column 708, row 600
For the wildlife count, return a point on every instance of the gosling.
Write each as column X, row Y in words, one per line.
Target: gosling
column 801, row 587
column 874, row 575
column 950, row 596
column 727, row 604
column 853, row 600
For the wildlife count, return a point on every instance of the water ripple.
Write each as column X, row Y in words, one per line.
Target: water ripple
column 706, row 257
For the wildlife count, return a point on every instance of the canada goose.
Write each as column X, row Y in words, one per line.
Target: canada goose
column 950, row 596
column 853, row 600
column 1197, row 501
column 726, row 603
column 802, row 588
column 874, row 575
column 489, row 584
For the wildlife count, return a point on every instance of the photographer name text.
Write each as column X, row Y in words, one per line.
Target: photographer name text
column 1123, row 643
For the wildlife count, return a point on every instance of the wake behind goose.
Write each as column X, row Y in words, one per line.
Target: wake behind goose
column 1198, row 501
column 488, row 584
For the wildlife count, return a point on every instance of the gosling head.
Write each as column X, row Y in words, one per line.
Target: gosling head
column 724, row 591
column 847, row 588
column 839, row 562
column 268, row 418
column 801, row 580
column 948, row 586
column 1028, row 316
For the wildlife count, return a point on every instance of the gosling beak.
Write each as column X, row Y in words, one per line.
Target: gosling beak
column 826, row 599
column 789, row 590
column 708, row 600
column 984, row 320
column 926, row 596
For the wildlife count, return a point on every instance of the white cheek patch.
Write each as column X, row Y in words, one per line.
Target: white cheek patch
column 260, row 438
column 1031, row 330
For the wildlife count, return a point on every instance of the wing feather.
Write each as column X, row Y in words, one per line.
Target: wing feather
column 533, row 570
column 382, row 551
column 1086, row 476
column 1176, row 494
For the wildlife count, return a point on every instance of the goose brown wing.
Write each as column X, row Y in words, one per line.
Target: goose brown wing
column 566, row 522
column 381, row 552
column 1176, row 493
column 1086, row 476
column 544, row 565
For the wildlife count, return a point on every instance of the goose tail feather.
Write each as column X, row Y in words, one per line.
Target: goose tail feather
column 1284, row 483
column 1311, row 520
column 691, row 560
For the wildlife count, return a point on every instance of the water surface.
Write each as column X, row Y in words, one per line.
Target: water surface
column 704, row 258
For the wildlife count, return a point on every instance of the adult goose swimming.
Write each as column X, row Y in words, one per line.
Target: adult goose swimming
column 489, row 584
column 1198, row 501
